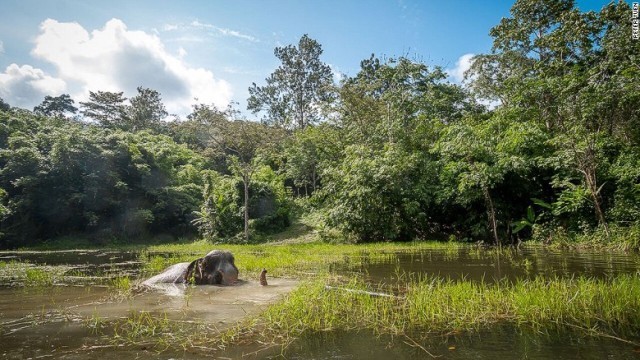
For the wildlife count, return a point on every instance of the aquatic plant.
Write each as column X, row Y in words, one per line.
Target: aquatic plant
column 120, row 286
column 38, row 277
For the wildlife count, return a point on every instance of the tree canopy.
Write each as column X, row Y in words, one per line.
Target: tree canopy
column 296, row 90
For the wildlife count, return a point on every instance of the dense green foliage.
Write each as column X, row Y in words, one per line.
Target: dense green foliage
column 396, row 152
column 64, row 177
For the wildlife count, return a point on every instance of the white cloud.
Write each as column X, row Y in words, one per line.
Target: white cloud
column 25, row 86
column 456, row 75
column 209, row 27
column 223, row 31
column 463, row 64
column 170, row 27
column 113, row 59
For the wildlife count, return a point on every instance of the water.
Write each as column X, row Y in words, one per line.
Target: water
column 495, row 344
column 56, row 322
column 60, row 321
column 490, row 266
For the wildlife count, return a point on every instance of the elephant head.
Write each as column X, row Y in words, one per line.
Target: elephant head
column 216, row 268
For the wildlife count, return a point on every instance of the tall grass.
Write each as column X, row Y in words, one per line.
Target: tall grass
column 432, row 305
column 619, row 238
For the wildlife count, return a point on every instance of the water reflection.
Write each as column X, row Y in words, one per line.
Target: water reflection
column 491, row 265
column 499, row 343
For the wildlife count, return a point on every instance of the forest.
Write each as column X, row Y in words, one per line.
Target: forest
column 540, row 142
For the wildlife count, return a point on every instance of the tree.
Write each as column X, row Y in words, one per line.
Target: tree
column 373, row 196
column 63, row 177
column 383, row 185
column 56, row 106
column 107, row 108
column 146, row 110
column 4, row 106
column 220, row 214
column 492, row 163
column 240, row 141
column 388, row 101
column 572, row 72
column 296, row 90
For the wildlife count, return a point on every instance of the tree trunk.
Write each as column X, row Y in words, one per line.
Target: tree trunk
column 313, row 178
column 587, row 166
column 491, row 215
column 592, row 185
column 245, row 179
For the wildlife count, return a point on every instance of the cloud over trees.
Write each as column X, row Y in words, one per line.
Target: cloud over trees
column 112, row 58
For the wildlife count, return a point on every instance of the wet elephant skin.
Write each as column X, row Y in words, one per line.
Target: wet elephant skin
column 216, row 268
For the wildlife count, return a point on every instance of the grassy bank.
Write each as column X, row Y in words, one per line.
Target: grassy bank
column 434, row 306
column 619, row 239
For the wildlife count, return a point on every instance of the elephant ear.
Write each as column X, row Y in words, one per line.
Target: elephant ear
column 193, row 275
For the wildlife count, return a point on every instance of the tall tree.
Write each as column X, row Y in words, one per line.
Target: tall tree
column 240, row 141
column 295, row 91
column 107, row 108
column 146, row 110
column 56, row 106
column 388, row 101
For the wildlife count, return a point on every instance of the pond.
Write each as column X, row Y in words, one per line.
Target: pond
column 489, row 266
column 68, row 320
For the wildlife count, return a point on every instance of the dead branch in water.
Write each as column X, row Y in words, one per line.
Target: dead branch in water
column 356, row 291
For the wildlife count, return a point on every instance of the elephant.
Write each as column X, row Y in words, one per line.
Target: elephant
column 216, row 268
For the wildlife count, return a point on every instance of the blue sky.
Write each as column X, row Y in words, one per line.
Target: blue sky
column 213, row 50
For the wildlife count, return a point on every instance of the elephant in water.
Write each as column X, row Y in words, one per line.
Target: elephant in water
column 215, row 268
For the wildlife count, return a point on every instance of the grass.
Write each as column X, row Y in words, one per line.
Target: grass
column 38, row 277
column 157, row 331
column 23, row 273
column 620, row 238
column 121, row 286
column 433, row 306
column 299, row 260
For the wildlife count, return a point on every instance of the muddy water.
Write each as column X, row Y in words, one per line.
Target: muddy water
column 71, row 320
column 58, row 321
column 83, row 263
column 494, row 344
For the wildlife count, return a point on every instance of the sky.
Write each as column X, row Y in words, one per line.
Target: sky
column 211, row 51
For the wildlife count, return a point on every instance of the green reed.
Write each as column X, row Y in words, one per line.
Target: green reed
column 432, row 305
